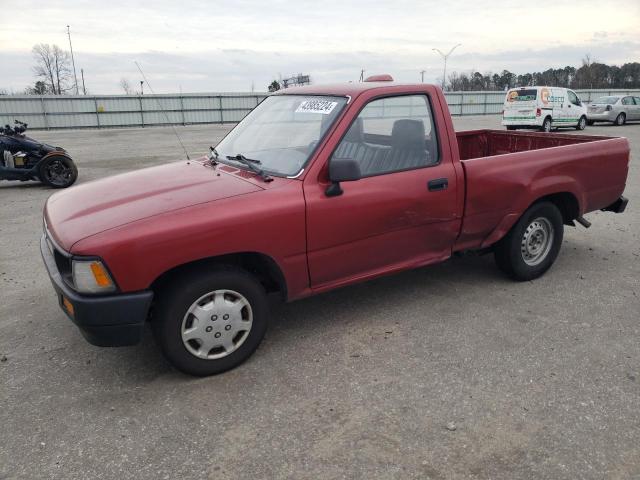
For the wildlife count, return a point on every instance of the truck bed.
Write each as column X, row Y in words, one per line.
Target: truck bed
column 487, row 143
column 504, row 170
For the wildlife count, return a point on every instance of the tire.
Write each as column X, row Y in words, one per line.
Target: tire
column 590, row 123
column 620, row 120
column 57, row 171
column 514, row 253
column 582, row 123
column 546, row 125
column 194, row 344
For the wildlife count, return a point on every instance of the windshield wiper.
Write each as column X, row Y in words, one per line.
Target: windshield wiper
column 251, row 164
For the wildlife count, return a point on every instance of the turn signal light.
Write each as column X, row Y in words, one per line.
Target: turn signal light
column 68, row 306
column 91, row 276
column 100, row 274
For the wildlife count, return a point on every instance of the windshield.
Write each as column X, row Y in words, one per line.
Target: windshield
column 522, row 95
column 606, row 100
column 282, row 132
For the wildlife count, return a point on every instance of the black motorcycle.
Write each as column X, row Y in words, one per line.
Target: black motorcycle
column 23, row 158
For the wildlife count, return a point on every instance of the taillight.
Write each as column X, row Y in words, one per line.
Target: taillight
column 538, row 112
column 609, row 108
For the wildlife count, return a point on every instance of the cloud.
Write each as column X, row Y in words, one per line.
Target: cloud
column 236, row 69
column 214, row 45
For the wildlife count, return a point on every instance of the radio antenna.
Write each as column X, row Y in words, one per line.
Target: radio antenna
column 163, row 111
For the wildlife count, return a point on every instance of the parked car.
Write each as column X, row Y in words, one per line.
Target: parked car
column 616, row 109
column 317, row 188
column 543, row 108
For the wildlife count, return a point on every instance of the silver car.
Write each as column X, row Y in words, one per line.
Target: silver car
column 616, row 109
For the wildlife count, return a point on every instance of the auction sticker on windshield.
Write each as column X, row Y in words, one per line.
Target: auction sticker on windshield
column 324, row 107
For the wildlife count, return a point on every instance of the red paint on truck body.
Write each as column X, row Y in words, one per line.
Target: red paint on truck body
column 145, row 223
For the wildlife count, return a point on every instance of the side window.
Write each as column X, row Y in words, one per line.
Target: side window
column 573, row 98
column 391, row 134
column 627, row 101
column 637, row 100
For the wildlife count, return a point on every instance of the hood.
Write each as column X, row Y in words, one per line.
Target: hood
column 94, row 207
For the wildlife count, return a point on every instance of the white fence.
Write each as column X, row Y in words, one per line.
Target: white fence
column 108, row 111
column 79, row 111
column 485, row 103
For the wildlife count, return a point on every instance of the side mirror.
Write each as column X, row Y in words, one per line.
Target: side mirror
column 342, row 170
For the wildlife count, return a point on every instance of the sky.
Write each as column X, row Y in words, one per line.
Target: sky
column 237, row 46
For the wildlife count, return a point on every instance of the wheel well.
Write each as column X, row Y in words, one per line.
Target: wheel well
column 262, row 266
column 566, row 202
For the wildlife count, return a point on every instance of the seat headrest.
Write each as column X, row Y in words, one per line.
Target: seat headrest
column 355, row 134
column 408, row 133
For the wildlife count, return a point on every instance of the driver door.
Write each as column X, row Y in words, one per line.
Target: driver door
column 574, row 109
column 401, row 213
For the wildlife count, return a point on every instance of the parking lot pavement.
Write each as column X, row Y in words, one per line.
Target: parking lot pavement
column 445, row 372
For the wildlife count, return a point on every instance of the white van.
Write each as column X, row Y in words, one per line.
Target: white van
column 543, row 108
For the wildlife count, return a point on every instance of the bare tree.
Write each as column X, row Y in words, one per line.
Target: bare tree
column 126, row 86
column 52, row 66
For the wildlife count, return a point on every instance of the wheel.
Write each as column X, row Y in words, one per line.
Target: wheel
column 590, row 123
column 533, row 244
column 209, row 321
column 582, row 123
column 620, row 119
column 511, row 127
column 57, row 171
column 546, row 125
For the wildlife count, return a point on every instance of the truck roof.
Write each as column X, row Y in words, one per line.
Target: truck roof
column 351, row 89
column 537, row 87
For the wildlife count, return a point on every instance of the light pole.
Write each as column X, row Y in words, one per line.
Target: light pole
column 444, row 72
column 84, row 89
column 73, row 62
column 422, row 72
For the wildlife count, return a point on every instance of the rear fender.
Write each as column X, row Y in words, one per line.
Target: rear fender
column 543, row 190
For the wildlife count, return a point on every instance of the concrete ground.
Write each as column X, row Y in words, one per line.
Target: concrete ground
column 536, row 380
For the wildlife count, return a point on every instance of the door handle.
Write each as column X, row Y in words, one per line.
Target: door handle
column 438, row 184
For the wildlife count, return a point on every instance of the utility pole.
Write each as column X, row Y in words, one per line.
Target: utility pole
column 84, row 90
column 73, row 62
column 141, row 87
column 422, row 75
column 444, row 72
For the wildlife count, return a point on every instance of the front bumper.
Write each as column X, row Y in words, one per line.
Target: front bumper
column 105, row 321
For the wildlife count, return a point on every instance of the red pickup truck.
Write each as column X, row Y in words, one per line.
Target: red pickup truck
column 317, row 188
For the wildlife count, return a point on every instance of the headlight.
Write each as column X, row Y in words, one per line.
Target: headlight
column 91, row 276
